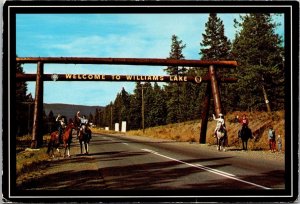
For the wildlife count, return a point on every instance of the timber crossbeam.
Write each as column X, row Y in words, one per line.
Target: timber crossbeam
column 127, row 61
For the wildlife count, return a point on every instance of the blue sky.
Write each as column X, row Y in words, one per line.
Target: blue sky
column 106, row 35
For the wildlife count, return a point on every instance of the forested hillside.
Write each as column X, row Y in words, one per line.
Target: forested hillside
column 69, row 110
column 260, row 72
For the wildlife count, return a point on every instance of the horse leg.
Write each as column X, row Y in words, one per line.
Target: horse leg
column 65, row 152
column 219, row 144
column 86, row 145
column 68, row 150
column 81, row 147
column 57, row 149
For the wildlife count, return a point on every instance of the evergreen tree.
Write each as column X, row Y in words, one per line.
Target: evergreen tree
column 216, row 46
column 97, row 117
column 176, row 53
column 148, row 104
column 109, row 116
column 121, row 107
column 259, row 53
column 91, row 118
column 117, row 106
column 21, row 106
column 135, row 109
column 174, row 90
column 125, row 100
column 158, row 111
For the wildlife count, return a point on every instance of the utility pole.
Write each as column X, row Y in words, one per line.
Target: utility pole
column 143, row 109
column 111, row 125
column 265, row 95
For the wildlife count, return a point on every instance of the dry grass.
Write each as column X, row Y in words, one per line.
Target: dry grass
column 190, row 131
column 29, row 160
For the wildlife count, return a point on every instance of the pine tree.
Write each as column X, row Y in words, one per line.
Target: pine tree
column 158, row 111
column 176, row 53
column 148, row 104
column 21, row 107
column 259, row 53
column 135, row 110
column 174, row 90
column 216, row 46
column 91, row 118
column 97, row 117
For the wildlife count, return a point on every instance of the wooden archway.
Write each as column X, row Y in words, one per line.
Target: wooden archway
column 39, row 77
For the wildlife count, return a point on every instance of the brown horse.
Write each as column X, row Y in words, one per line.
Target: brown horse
column 85, row 134
column 66, row 138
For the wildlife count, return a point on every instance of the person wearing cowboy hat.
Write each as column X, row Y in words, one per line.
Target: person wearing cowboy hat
column 220, row 122
column 83, row 122
column 61, row 122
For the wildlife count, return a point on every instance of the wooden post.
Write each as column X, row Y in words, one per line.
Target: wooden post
column 204, row 116
column 37, row 136
column 215, row 90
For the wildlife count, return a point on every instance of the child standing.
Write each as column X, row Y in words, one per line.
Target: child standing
column 279, row 143
column 272, row 139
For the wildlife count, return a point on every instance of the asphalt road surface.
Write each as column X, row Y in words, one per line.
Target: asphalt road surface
column 140, row 164
column 143, row 163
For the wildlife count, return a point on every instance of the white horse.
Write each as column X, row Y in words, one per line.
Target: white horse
column 221, row 135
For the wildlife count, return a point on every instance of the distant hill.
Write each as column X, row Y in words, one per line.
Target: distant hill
column 69, row 110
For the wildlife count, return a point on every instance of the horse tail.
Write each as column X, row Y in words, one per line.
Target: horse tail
column 250, row 134
column 70, row 136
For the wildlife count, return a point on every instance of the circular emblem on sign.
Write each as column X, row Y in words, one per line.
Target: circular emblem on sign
column 198, row 79
column 54, row 77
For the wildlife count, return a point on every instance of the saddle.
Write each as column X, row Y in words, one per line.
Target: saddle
column 221, row 130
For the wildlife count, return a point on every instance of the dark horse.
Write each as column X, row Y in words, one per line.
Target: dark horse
column 245, row 133
column 85, row 134
column 66, row 138
column 221, row 137
column 77, row 124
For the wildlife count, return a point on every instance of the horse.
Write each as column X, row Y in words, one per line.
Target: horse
column 66, row 138
column 221, row 135
column 77, row 124
column 245, row 133
column 85, row 134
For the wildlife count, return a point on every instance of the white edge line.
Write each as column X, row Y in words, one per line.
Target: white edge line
column 221, row 173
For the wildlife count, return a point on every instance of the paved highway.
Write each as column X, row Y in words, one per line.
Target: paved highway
column 140, row 163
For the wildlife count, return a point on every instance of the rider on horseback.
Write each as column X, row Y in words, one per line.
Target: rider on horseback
column 220, row 123
column 61, row 126
column 244, row 121
column 83, row 122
